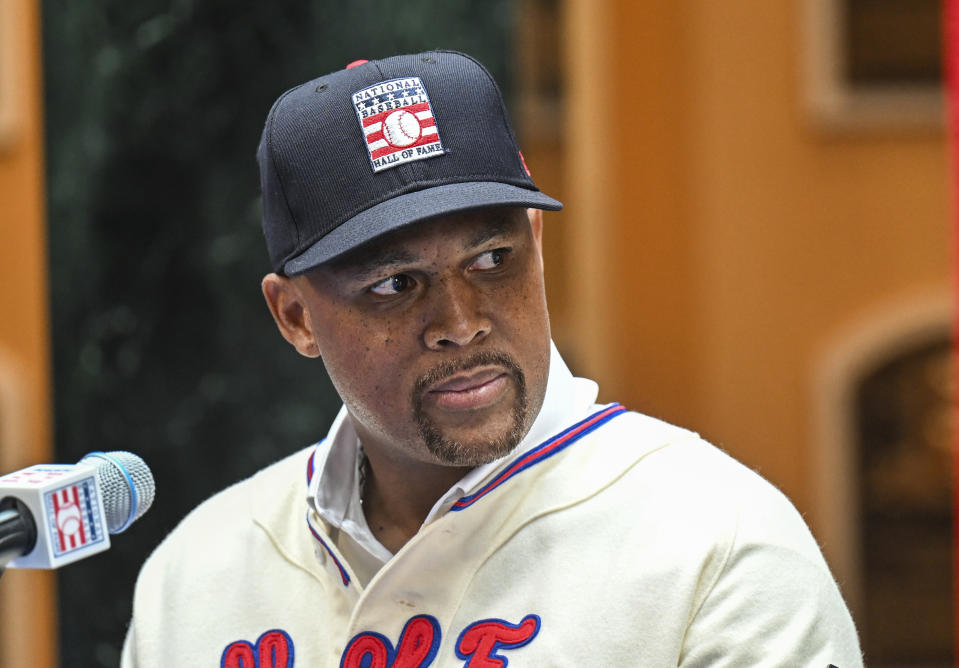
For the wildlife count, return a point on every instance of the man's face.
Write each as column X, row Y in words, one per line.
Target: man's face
column 436, row 336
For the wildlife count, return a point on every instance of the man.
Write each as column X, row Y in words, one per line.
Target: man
column 471, row 505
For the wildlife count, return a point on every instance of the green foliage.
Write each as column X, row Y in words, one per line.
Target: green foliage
column 161, row 341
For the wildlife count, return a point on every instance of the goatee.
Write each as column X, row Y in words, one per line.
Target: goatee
column 456, row 453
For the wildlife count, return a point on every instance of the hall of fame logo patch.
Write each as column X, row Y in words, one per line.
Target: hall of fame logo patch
column 397, row 121
column 73, row 513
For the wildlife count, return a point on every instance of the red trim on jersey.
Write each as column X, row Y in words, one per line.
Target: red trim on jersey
column 542, row 452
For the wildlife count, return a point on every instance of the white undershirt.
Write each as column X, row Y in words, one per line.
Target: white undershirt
column 335, row 492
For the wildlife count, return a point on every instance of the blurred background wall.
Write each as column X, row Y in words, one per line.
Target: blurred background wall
column 770, row 231
column 28, row 629
column 754, row 245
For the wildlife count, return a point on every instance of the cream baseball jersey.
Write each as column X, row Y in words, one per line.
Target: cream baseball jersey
column 618, row 541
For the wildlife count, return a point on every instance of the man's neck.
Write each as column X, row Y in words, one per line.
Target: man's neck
column 397, row 498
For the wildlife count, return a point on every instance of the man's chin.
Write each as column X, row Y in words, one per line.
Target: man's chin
column 455, row 453
column 479, row 434
column 453, row 448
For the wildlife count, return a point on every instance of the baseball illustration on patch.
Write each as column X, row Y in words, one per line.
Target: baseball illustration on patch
column 401, row 128
column 397, row 121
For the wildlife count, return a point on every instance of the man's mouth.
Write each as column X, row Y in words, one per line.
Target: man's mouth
column 469, row 390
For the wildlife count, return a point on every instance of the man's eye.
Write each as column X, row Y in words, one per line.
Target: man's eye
column 392, row 285
column 490, row 259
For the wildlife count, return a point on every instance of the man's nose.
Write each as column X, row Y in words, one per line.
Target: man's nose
column 456, row 317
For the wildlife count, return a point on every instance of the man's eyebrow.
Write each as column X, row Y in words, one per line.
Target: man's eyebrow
column 497, row 228
column 366, row 262
column 486, row 235
column 376, row 261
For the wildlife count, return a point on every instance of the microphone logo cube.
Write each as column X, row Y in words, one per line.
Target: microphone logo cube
column 74, row 515
column 66, row 505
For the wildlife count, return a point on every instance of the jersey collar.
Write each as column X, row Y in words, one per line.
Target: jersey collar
column 334, row 480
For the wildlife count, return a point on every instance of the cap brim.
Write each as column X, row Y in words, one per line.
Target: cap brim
column 413, row 207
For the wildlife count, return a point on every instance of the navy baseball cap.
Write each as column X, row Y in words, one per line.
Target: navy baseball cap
column 381, row 144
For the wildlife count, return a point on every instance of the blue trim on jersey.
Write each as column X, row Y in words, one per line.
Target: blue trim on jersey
column 310, row 463
column 543, row 452
column 310, row 470
column 343, row 574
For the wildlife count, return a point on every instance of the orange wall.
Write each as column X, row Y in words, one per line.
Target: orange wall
column 631, row 237
column 798, row 232
column 720, row 241
column 28, row 633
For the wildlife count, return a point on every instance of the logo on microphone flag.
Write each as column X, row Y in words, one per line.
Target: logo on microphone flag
column 74, row 516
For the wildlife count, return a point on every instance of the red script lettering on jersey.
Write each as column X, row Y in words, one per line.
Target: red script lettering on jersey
column 478, row 646
column 417, row 647
column 273, row 649
column 479, row 642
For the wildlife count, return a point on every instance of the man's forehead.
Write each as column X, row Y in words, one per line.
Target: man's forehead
column 473, row 228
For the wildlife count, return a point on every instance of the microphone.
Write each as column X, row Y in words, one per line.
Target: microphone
column 54, row 514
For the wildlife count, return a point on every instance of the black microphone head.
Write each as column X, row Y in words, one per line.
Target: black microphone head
column 126, row 486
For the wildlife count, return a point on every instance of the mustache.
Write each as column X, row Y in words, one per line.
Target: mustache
column 449, row 368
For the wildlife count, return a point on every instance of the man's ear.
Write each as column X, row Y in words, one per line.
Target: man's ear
column 536, row 225
column 290, row 313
